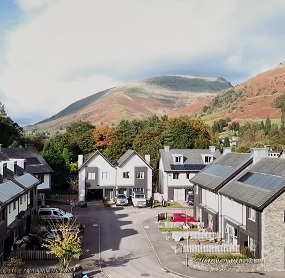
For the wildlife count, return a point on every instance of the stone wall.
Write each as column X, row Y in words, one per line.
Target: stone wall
column 73, row 272
column 273, row 235
column 227, row 266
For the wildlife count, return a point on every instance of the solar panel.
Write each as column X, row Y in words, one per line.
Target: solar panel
column 187, row 167
column 32, row 161
column 261, row 180
column 219, row 170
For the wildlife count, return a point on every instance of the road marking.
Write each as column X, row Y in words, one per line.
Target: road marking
column 109, row 275
column 146, row 227
column 95, row 225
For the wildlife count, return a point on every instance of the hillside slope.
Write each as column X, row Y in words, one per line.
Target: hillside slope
column 171, row 95
column 251, row 100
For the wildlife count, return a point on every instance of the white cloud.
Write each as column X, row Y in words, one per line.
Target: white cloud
column 65, row 50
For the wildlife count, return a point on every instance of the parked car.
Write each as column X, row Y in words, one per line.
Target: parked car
column 55, row 214
column 122, row 200
column 182, row 217
column 190, row 199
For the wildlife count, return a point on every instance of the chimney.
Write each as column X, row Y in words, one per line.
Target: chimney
column 29, row 146
column 80, row 160
column 212, row 149
column 166, row 148
column 258, row 153
column 227, row 150
column 147, row 159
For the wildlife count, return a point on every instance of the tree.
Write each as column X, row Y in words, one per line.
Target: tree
column 10, row 132
column 267, row 125
column 227, row 142
column 56, row 161
column 66, row 244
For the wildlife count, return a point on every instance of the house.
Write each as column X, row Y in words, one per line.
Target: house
column 35, row 165
column 134, row 174
column 18, row 202
column 178, row 166
column 98, row 178
column 210, row 180
column 244, row 202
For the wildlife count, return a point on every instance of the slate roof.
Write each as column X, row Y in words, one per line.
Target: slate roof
column 35, row 163
column 220, row 171
column 192, row 157
column 127, row 156
column 258, row 185
column 92, row 156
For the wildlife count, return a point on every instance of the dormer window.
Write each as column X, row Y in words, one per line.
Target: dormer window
column 178, row 159
column 207, row 158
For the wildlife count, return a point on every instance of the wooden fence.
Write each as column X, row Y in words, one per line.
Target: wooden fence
column 34, row 255
column 66, row 199
column 208, row 248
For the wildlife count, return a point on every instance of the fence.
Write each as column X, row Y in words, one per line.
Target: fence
column 63, row 198
column 34, row 255
column 194, row 235
column 208, row 248
column 169, row 225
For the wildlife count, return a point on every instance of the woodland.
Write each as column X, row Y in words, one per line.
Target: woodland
column 145, row 136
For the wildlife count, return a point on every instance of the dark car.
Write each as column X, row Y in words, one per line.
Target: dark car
column 190, row 200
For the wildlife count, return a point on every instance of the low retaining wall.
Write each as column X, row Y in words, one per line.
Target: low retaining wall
column 72, row 272
column 242, row 265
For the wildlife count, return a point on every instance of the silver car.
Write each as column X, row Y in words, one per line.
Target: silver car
column 121, row 200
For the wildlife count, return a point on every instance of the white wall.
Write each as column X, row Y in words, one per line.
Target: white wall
column 210, row 199
column 129, row 166
column 46, row 184
column 233, row 209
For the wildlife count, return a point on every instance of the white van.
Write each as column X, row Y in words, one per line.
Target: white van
column 55, row 214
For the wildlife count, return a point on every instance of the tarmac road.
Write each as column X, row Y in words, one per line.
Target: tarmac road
column 123, row 242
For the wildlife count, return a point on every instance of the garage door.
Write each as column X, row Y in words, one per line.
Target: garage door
column 179, row 194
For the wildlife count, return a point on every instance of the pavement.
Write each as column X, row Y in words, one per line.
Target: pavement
column 163, row 251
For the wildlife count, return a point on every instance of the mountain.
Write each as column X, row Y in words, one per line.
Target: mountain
column 251, row 100
column 171, row 95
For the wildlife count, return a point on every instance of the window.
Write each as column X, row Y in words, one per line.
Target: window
column 91, row 176
column 41, row 178
column 4, row 171
column 196, row 189
column 208, row 159
column 140, row 175
column 188, row 176
column 175, row 176
column 178, row 159
column 126, row 175
column 104, row 175
column 25, row 197
column 21, row 200
column 9, row 208
column 3, row 215
column 14, row 205
column 252, row 214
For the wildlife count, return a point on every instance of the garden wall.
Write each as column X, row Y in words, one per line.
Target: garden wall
column 245, row 265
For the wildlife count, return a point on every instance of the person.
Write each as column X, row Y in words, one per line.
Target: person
column 162, row 201
column 151, row 202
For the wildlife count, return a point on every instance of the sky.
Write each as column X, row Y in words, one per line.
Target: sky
column 55, row 52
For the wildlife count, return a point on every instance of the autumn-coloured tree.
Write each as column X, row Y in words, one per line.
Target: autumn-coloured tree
column 66, row 244
column 103, row 136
